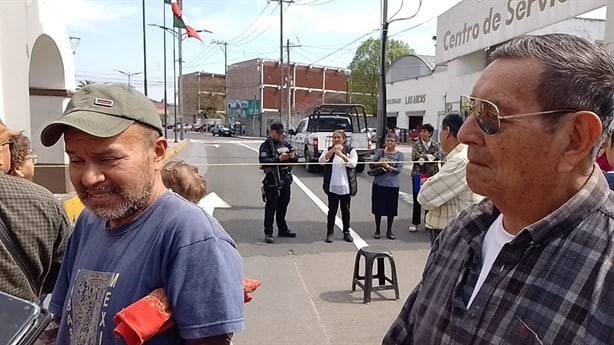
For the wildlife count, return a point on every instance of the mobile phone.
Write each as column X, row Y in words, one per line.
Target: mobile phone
column 17, row 317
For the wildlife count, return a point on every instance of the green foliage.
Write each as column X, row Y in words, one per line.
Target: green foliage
column 365, row 69
column 83, row 83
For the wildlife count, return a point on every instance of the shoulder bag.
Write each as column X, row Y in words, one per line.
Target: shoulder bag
column 10, row 243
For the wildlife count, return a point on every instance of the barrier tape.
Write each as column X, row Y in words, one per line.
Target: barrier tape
column 259, row 164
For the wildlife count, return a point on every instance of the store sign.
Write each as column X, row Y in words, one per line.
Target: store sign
column 243, row 107
column 473, row 25
column 415, row 99
column 393, row 101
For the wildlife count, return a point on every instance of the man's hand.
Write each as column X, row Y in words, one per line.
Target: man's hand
column 285, row 156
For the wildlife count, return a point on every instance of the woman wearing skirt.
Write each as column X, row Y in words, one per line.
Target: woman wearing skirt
column 385, row 189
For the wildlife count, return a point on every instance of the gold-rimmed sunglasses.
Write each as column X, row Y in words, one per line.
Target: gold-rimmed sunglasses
column 487, row 115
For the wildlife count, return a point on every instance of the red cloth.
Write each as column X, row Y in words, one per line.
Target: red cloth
column 142, row 319
column 151, row 314
column 603, row 163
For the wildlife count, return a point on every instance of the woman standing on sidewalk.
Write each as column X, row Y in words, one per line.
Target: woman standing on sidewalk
column 423, row 150
column 385, row 188
column 339, row 182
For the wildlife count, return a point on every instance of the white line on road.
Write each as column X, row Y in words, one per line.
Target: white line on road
column 358, row 241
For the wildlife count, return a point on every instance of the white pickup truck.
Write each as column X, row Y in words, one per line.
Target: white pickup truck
column 314, row 133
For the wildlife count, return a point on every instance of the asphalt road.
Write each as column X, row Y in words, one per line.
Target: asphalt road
column 305, row 297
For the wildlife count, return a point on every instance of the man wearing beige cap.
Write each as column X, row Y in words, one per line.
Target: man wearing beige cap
column 135, row 236
column 33, row 231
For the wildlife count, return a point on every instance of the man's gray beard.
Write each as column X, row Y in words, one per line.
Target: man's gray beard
column 128, row 205
column 124, row 209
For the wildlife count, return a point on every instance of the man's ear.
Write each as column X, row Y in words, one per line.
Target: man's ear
column 19, row 172
column 584, row 132
column 160, row 147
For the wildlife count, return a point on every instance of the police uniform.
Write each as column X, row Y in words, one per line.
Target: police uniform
column 276, row 186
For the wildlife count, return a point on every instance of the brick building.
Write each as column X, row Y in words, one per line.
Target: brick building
column 253, row 88
column 202, row 97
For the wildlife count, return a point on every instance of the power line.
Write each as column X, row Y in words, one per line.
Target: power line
column 345, row 46
column 250, row 24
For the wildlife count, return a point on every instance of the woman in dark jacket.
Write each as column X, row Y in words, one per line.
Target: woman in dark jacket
column 385, row 189
column 339, row 182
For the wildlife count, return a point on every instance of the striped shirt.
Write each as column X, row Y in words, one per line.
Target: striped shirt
column 446, row 193
column 552, row 284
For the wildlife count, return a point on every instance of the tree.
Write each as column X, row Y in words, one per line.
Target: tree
column 365, row 69
column 83, row 83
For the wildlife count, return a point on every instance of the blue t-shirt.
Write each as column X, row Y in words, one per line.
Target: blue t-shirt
column 609, row 176
column 174, row 244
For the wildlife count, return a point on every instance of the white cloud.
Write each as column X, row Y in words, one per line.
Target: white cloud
column 86, row 14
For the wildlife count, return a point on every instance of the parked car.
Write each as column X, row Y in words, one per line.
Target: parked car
column 188, row 127
column 314, row 134
column 222, row 130
column 200, row 128
column 372, row 132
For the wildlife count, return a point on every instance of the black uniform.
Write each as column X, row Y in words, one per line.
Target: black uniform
column 276, row 184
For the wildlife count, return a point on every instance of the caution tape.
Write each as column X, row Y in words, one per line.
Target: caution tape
column 260, row 164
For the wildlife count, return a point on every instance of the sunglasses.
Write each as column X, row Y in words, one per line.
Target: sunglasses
column 487, row 115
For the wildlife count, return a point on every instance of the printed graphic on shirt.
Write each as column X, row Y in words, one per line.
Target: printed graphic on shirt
column 87, row 306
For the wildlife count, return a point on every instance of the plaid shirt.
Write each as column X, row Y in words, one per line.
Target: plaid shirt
column 552, row 284
column 446, row 193
column 41, row 228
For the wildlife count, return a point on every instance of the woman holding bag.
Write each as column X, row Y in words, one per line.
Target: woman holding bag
column 339, row 182
column 385, row 188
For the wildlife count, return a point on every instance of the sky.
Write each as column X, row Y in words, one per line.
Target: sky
column 321, row 32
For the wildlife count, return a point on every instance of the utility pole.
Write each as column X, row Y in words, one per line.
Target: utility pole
column 144, row 53
column 289, row 81
column 381, row 109
column 281, row 53
column 176, row 93
column 165, row 90
column 381, row 104
column 224, row 46
column 129, row 75
column 180, row 86
column 198, row 95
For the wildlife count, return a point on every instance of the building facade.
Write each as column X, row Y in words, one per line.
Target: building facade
column 202, row 97
column 260, row 91
column 37, row 79
column 422, row 89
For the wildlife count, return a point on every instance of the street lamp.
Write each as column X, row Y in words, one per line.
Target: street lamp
column 180, row 36
column 128, row 74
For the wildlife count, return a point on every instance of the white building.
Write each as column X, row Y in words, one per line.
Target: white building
column 37, row 78
column 421, row 89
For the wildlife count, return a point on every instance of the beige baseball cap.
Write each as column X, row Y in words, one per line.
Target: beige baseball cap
column 103, row 110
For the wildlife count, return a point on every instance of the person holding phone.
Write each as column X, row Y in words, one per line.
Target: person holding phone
column 424, row 150
column 275, row 153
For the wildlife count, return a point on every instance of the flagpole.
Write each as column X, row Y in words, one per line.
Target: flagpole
column 164, row 66
column 174, row 90
column 144, row 52
column 180, row 84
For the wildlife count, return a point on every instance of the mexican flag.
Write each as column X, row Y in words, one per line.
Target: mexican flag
column 178, row 20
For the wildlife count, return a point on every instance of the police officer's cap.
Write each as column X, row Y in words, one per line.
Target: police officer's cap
column 277, row 126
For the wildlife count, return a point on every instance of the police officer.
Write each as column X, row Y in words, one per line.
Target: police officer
column 278, row 178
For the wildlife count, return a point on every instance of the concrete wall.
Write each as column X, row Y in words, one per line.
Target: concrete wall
column 36, row 80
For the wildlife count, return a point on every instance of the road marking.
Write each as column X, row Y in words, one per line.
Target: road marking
column 358, row 241
column 408, row 198
column 211, row 201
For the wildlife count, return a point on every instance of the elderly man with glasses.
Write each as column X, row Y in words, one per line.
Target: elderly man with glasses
column 532, row 262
